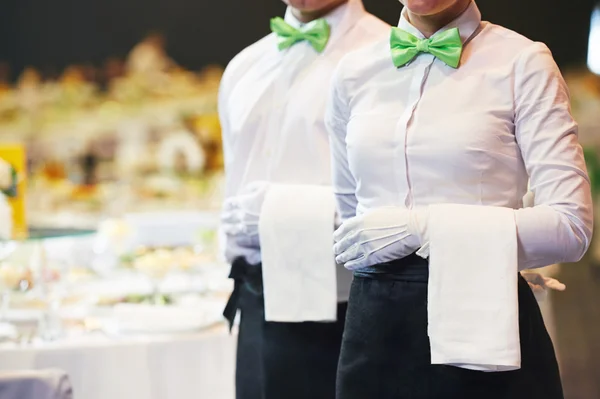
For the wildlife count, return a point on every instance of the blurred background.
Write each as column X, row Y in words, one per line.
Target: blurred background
column 108, row 117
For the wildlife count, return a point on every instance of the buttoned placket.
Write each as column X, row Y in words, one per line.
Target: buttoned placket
column 265, row 98
column 293, row 60
column 420, row 71
column 275, row 114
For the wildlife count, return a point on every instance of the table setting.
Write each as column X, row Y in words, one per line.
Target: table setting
column 135, row 320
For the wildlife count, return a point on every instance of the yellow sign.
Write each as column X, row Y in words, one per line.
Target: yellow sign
column 15, row 155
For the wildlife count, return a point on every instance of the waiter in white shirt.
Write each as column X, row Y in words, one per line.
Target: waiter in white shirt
column 434, row 136
column 278, row 216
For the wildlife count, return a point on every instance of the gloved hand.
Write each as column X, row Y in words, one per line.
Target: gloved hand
column 380, row 235
column 540, row 284
column 241, row 215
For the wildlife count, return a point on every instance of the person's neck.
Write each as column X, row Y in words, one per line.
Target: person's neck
column 309, row 16
column 429, row 24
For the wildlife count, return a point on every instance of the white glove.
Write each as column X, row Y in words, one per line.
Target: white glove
column 540, row 284
column 380, row 235
column 241, row 215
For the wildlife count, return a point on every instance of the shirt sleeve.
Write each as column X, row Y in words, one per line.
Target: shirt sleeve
column 336, row 120
column 228, row 249
column 558, row 228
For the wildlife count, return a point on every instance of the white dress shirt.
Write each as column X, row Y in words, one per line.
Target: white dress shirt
column 272, row 103
column 427, row 134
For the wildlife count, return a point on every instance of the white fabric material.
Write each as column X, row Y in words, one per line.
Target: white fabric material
column 271, row 106
column 240, row 218
column 299, row 270
column 471, row 324
column 378, row 236
column 190, row 366
column 35, row 384
column 427, row 134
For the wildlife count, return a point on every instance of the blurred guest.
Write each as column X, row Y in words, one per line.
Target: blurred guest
column 112, row 70
column 272, row 99
column 76, row 89
column 211, row 76
column 435, row 135
column 91, row 74
column 149, row 56
column 50, row 73
column 208, row 130
column 89, row 165
column 73, row 75
column 29, row 90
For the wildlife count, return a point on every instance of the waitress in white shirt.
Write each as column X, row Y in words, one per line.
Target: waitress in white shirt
column 434, row 136
column 279, row 209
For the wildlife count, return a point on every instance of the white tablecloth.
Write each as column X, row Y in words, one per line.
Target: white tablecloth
column 198, row 366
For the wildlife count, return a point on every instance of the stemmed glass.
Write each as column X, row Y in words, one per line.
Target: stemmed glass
column 155, row 266
column 51, row 287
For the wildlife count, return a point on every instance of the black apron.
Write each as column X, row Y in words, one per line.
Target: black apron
column 385, row 349
column 280, row 360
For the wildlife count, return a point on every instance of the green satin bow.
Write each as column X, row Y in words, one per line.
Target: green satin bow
column 447, row 46
column 316, row 33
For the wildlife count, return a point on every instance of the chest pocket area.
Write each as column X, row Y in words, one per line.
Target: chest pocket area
column 246, row 113
column 372, row 143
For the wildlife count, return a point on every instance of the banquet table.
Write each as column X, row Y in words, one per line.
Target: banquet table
column 181, row 351
column 199, row 365
column 113, row 349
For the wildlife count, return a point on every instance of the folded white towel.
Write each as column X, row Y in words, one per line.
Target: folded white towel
column 473, row 298
column 296, row 239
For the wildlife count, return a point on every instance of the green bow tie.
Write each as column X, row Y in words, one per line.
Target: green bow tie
column 316, row 33
column 447, row 46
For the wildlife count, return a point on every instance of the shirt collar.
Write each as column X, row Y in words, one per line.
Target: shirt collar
column 340, row 20
column 467, row 23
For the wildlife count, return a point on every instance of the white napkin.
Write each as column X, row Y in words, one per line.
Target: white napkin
column 473, row 299
column 296, row 239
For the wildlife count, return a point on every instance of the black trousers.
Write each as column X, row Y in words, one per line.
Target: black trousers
column 281, row 360
column 386, row 355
